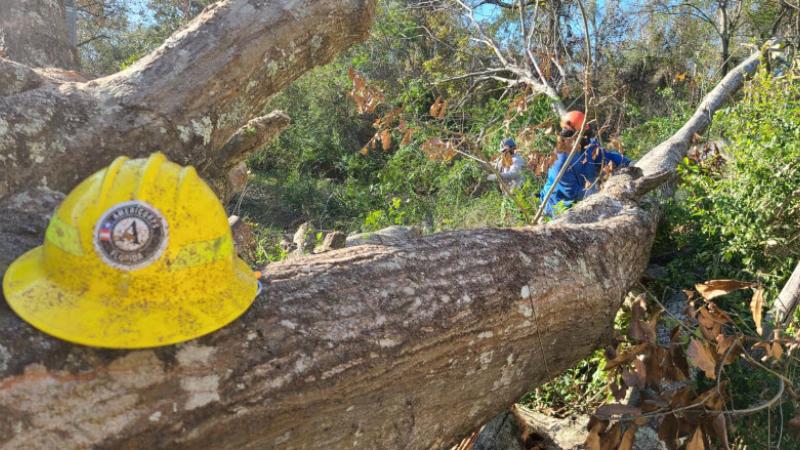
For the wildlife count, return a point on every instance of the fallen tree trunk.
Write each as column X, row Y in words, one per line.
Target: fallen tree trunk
column 403, row 347
column 407, row 346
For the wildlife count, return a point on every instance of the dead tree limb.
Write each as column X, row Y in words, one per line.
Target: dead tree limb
column 788, row 298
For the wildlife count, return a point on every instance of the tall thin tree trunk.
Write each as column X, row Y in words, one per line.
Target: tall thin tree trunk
column 724, row 35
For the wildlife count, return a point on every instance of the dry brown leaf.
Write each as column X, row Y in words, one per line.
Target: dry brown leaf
column 772, row 349
column 618, row 389
column 638, row 311
column 720, row 430
column 370, row 145
column 438, row 108
column 386, row 140
column 675, row 335
column 679, row 370
column 519, row 104
column 697, row 442
column 718, row 313
column 715, row 288
column 724, row 344
column 616, row 409
column 545, row 164
column 709, row 326
column 794, row 422
column 595, row 427
column 607, row 169
column 670, row 371
column 407, row 135
column 653, row 404
column 610, row 439
column 435, row 148
column 617, row 144
column 650, row 328
column 777, row 350
column 365, row 97
column 682, row 397
column 631, row 379
column 641, row 372
column 756, row 307
column 712, row 399
column 592, row 441
column 657, row 361
column 668, row 430
column 701, row 356
column 627, row 439
column 626, row 356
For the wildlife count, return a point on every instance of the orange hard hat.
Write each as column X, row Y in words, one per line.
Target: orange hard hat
column 573, row 120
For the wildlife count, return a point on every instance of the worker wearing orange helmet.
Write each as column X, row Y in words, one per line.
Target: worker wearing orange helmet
column 580, row 178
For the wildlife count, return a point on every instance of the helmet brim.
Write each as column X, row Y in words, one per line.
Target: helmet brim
column 101, row 320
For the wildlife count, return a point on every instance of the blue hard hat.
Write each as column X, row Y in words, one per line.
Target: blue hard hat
column 508, row 142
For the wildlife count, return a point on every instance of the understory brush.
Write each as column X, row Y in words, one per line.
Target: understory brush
column 735, row 216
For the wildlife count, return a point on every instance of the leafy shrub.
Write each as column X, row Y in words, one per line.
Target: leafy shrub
column 746, row 215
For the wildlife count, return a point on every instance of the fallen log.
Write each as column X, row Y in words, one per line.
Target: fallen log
column 377, row 347
column 407, row 346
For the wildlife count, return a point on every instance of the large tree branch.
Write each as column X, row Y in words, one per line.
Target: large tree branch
column 187, row 98
column 668, row 154
column 16, row 78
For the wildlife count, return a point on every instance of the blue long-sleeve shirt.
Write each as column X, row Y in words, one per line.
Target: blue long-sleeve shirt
column 583, row 171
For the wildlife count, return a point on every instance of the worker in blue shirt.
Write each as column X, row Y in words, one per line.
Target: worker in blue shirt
column 580, row 179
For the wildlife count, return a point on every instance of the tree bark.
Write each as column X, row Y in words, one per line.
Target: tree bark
column 788, row 299
column 724, row 35
column 409, row 346
column 188, row 98
column 34, row 33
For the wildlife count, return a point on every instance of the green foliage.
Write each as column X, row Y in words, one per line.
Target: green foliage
column 640, row 139
column 268, row 248
column 577, row 390
column 116, row 33
column 744, row 218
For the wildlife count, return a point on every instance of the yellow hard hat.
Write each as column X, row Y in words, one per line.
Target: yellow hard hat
column 138, row 255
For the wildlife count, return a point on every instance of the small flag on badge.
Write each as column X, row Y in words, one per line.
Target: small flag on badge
column 105, row 232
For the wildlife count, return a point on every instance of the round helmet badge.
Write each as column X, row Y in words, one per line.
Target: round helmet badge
column 130, row 235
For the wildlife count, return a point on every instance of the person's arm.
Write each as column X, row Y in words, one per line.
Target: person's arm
column 603, row 155
column 515, row 171
column 619, row 160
